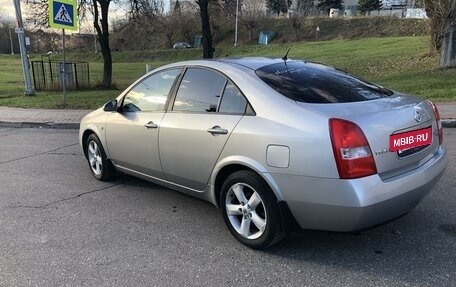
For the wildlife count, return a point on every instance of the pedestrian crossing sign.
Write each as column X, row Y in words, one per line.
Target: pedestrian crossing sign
column 63, row 14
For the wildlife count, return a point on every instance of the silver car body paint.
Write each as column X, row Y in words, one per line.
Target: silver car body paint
column 140, row 154
column 186, row 157
column 188, row 151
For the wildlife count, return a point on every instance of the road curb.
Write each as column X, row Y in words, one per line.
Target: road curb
column 449, row 123
column 48, row 125
column 10, row 124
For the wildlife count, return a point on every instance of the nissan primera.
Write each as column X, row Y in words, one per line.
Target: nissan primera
column 276, row 144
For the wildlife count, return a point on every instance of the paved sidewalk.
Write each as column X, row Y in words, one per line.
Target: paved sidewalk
column 448, row 114
column 70, row 119
column 41, row 118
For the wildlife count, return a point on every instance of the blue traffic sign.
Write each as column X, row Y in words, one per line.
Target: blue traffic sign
column 63, row 14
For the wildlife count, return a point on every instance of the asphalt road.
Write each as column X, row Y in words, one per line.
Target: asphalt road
column 61, row 227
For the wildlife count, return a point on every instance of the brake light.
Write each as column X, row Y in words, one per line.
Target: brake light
column 351, row 150
column 438, row 121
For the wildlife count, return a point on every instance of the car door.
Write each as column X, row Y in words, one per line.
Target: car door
column 206, row 109
column 132, row 133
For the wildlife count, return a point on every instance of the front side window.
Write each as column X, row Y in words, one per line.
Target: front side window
column 199, row 91
column 151, row 93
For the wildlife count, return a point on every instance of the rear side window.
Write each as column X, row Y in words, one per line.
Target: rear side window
column 316, row 83
column 233, row 101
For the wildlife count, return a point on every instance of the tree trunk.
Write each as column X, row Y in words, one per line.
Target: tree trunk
column 103, row 39
column 107, row 64
column 208, row 50
column 448, row 50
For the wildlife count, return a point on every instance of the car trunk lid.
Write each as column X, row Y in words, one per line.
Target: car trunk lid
column 390, row 125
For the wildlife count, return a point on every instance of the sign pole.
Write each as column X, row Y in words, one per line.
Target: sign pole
column 23, row 50
column 63, row 14
column 64, row 70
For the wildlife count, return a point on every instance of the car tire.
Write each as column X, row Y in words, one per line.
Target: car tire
column 250, row 210
column 100, row 166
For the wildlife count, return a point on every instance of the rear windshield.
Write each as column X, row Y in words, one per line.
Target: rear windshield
column 316, row 83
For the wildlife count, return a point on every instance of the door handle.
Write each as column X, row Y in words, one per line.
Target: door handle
column 151, row 125
column 217, row 131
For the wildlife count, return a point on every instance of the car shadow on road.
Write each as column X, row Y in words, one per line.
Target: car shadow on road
column 416, row 248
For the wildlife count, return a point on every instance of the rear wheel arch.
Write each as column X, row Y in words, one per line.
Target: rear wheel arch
column 229, row 169
column 222, row 175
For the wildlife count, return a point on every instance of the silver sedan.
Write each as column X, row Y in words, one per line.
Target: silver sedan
column 276, row 144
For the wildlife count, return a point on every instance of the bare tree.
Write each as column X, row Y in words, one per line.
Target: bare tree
column 101, row 25
column 152, row 8
column 253, row 11
column 8, row 39
column 188, row 26
column 442, row 14
column 296, row 22
column 168, row 29
column 229, row 7
column 100, row 12
column 301, row 11
column 38, row 10
column 208, row 49
column 217, row 20
column 418, row 4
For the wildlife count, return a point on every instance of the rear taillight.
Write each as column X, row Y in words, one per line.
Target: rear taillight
column 351, row 150
column 438, row 121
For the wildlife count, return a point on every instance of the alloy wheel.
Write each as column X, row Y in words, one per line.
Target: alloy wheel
column 95, row 159
column 246, row 211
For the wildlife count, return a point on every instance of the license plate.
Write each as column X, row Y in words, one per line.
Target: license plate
column 409, row 140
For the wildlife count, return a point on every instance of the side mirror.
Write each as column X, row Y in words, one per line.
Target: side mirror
column 110, row 106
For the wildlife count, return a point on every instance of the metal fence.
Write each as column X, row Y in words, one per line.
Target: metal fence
column 50, row 75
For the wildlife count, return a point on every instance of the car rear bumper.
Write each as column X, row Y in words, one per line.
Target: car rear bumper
column 350, row 205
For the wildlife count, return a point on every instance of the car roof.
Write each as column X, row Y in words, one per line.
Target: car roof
column 253, row 63
column 246, row 63
column 250, row 63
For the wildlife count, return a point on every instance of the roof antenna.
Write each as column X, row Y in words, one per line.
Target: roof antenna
column 285, row 58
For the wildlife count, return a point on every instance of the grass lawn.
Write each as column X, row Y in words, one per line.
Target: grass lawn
column 400, row 63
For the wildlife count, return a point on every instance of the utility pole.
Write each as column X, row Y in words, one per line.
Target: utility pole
column 23, row 49
column 11, row 39
column 236, row 27
column 95, row 40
